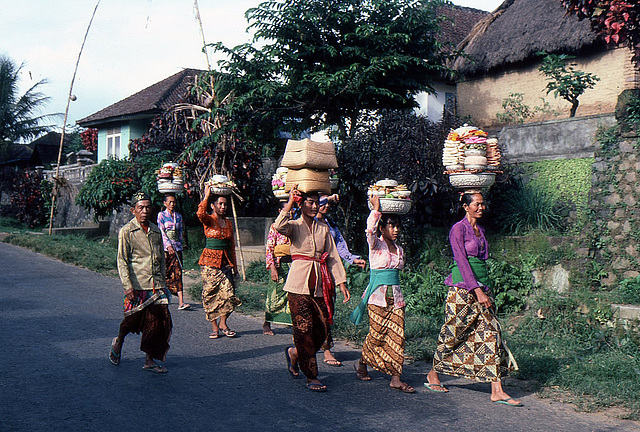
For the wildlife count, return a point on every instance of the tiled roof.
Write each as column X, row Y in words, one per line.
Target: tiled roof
column 150, row 101
column 460, row 22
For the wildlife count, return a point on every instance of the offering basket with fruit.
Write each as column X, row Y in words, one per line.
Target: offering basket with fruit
column 394, row 198
column 220, row 184
column 169, row 178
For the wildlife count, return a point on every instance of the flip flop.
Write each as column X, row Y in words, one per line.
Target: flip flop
column 316, row 387
column 113, row 357
column 406, row 388
column 334, row 362
column 506, row 402
column 155, row 368
column 214, row 335
column 228, row 332
column 430, row 387
column 293, row 370
column 184, row 306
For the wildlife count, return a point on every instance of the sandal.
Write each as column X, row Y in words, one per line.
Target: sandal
column 431, row 387
column 294, row 371
column 113, row 357
column 362, row 376
column 184, row 306
column 228, row 332
column 316, row 387
column 333, row 362
column 214, row 335
column 404, row 388
column 155, row 368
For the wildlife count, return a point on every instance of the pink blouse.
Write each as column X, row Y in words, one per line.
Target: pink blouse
column 274, row 238
column 381, row 258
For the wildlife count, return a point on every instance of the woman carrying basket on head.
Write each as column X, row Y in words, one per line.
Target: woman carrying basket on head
column 470, row 343
column 383, row 349
column 218, row 261
column 315, row 269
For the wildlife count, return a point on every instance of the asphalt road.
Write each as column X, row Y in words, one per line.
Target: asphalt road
column 57, row 322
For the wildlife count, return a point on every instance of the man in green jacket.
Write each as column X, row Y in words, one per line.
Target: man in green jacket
column 141, row 267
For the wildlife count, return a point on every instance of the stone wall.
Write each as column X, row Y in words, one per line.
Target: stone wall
column 554, row 139
column 615, row 230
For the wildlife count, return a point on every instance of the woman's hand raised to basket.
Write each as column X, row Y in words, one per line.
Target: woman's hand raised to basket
column 375, row 202
column 294, row 197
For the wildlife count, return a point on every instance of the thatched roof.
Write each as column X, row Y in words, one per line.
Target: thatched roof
column 517, row 30
column 146, row 103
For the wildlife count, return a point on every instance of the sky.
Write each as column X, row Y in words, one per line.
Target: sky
column 131, row 44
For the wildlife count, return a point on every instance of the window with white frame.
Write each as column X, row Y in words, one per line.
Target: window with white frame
column 113, row 142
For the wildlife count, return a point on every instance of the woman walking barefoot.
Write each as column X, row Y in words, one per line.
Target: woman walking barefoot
column 383, row 349
column 218, row 261
column 315, row 268
column 470, row 344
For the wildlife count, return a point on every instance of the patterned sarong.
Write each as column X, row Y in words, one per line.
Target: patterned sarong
column 174, row 271
column 276, row 306
column 383, row 349
column 218, row 292
column 470, row 343
column 310, row 326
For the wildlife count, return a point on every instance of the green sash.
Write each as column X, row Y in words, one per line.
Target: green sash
column 376, row 278
column 217, row 244
column 479, row 269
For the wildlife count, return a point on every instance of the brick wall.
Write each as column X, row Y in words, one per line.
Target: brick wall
column 481, row 98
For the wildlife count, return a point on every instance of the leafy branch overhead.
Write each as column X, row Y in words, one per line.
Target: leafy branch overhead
column 324, row 62
column 618, row 21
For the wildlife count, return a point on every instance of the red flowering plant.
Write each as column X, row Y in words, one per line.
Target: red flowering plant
column 90, row 139
column 31, row 198
column 618, row 21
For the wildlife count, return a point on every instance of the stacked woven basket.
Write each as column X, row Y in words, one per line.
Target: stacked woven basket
column 170, row 179
column 309, row 164
column 470, row 159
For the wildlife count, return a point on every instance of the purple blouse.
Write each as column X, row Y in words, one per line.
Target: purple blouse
column 465, row 243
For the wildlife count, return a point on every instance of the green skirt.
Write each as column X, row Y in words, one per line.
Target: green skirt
column 276, row 305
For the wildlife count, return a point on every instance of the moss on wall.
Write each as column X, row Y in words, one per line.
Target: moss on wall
column 567, row 180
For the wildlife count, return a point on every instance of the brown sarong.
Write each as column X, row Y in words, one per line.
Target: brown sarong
column 174, row 271
column 383, row 349
column 470, row 343
column 309, row 316
column 154, row 322
column 218, row 292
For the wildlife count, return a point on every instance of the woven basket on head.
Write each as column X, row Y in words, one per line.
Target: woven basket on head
column 309, row 154
column 308, row 180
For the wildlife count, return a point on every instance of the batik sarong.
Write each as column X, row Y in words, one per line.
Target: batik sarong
column 309, row 316
column 276, row 305
column 148, row 313
column 218, row 292
column 383, row 348
column 470, row 343
column 174, row 271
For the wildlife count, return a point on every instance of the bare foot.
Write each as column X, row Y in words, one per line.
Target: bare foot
column 330, row 359
column 266, row 329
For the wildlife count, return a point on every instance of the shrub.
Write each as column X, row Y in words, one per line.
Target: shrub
column 31, row 198
column 524, row 208
column 512, row 285
column 629, row 290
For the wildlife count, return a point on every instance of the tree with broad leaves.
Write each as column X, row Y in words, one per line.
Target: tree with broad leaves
column 618, row 21
column 325, row 63
column 564, row 80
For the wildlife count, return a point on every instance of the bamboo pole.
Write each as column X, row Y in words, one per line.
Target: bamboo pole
column 64, row 123
column 235, row 220
column 204, row 43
